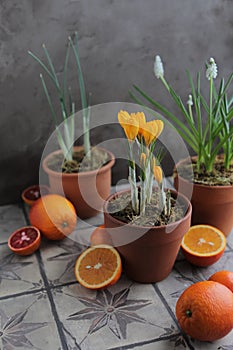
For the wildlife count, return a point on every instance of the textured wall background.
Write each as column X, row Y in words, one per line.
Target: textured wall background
column 118, row 41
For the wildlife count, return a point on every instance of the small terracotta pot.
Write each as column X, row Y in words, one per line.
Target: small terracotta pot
column 86, row 190
column 150, row 252
column 212, row 205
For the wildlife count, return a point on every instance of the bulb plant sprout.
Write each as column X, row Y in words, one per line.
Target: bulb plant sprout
column 206, row 137
column 143, row 135
column 67, row 104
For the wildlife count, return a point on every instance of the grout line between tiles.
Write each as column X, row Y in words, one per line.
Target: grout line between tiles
column 16, row 295
column 49, row 293
column 3, row 243
column 145, row 342
column 66, row 284
column 52, row 303
column 169, row 310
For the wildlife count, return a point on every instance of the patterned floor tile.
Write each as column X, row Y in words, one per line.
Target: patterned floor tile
column 18, row 274
column 126, row 313
column 184, row 274
column 11, row 218
column 21, row 329
column 225, row 343
column 59, row 260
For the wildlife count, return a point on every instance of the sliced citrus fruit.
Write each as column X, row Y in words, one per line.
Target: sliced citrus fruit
column 100, row 236
column 25, row 240
column 34, row 192
column 98, row 267
column 224, row 277
column 203, row 245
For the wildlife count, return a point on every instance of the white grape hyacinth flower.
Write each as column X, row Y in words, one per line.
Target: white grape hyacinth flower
column 212, row 69
column 190, row 101
column 158, row 67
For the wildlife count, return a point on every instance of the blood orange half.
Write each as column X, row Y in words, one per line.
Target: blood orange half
column 34, row 192
column 25, row 240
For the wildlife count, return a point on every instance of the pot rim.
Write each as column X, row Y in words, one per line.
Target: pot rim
column 110, row 164
column 175, row 223
column 217, row 187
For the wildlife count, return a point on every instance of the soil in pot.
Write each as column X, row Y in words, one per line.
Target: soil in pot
column 121, row 209
column 219, row 176
column 80, row 162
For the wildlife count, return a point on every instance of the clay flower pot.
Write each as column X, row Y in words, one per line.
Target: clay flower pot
column 86, row 190
column 148, row 253
column 212, row 205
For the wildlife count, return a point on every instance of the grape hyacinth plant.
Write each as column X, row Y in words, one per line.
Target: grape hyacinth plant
column 143, row 135
column 207, row 138
column 67, row 104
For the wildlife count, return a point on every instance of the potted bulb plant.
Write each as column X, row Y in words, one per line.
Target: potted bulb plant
column 81, row 173
column 147, row 223
column 209, row 133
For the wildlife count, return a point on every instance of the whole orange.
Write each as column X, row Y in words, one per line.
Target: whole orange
column 100, row 236
column 225, row 277
column 205, row 310
column 54, row 216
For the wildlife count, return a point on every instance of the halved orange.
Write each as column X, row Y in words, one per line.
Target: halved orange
column 98, row 267
column 203, row 245
column 34, row 192
column 25, row 240
column 100, row 236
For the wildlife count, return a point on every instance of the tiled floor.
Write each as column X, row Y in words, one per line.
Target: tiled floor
column 43, row 307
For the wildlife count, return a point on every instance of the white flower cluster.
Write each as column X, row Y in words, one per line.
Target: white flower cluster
column 158, row 67
column 212, row 69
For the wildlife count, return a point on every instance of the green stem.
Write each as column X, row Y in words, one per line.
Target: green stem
column 210, row 116
column 132, row 179
column 143, row 198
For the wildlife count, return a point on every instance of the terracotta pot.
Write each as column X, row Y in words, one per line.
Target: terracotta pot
column 212, row 205
column 148, row 253
column 86, row 190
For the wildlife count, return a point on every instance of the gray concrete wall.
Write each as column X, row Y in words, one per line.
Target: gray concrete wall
column 118, row 41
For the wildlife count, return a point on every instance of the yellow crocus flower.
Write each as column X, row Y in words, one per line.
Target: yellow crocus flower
column 158, row 174
column 129, row 124
column 140, row 116
column 160, row 126
column 151, row 130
